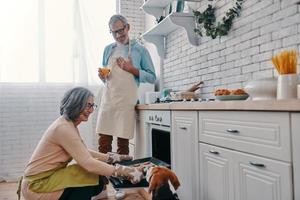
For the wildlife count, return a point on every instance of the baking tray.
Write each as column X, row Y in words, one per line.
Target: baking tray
column 118, row 183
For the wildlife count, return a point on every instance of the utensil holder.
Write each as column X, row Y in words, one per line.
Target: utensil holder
column 287, row 86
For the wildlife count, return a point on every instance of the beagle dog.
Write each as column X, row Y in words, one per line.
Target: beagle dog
column 162, row 183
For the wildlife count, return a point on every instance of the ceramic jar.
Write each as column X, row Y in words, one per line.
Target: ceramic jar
column 287, row 86
column 262, row 89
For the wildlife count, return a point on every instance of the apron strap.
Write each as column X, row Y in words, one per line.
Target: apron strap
column 19, row 187
column 129, row 48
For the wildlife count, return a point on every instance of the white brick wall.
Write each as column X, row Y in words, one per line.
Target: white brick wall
column 264, row 28
column 25, row 112
column 135, row 16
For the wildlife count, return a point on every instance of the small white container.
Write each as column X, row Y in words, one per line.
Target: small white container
column 262, row 89
column 287, row 86
column 150, row 97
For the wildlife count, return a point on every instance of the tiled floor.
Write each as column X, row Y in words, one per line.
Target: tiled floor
column 8, row 192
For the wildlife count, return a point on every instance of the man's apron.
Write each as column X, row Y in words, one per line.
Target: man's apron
column 116, row 115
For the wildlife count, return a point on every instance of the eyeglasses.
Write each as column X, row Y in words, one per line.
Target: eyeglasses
column 89, row 106
column 119, row 31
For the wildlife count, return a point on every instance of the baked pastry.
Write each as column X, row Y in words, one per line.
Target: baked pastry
column 238, row 92
column 221, row 92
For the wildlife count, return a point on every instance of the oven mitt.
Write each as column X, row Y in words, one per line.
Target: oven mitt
column 114, row 157
column 133, row 174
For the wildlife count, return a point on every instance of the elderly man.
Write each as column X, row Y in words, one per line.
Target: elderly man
column 130, row 64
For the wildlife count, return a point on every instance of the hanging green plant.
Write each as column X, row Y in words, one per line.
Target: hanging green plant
column 207, row 20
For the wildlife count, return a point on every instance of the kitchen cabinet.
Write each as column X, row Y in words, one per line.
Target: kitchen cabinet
column 215, row 173
column 261, row 133
column 170, row 23
column 230, row 135
column 184, row 152
column 296, row 153
column 247, row 153
column 228, row 174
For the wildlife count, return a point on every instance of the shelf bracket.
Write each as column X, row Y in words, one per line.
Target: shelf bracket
column 158, row 41
column 188, row 23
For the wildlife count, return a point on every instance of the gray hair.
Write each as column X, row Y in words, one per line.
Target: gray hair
column 74, row 102
column 116, row 18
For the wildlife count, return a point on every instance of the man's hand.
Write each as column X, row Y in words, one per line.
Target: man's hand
column 133, row 174
column 127, row 66
column 103, row 76
column 114, row 157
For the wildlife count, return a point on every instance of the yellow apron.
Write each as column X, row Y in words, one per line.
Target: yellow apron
column 60, row 178
column 116, row 114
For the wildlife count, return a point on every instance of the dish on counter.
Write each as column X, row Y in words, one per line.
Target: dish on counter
column 232, row 97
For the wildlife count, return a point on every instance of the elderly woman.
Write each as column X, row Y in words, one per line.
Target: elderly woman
column 48, row 175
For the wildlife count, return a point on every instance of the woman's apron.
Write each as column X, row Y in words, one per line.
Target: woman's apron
column 116, row 115
column 59, row 179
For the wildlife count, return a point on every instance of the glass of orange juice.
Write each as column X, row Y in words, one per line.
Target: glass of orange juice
column 104, row 71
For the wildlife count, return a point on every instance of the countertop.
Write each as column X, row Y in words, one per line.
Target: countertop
column 292, row 105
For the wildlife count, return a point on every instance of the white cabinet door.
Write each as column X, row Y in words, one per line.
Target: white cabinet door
column 216, row 174
column 296, row 153
column 141, row 148
column 262, row 133
column 261, row 178
column 184, row 145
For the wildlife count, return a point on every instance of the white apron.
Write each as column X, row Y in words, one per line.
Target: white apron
column 116, row 115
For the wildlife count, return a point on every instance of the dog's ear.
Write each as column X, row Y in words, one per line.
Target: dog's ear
column 156, row 179
column 161, row 176
column 174, row 179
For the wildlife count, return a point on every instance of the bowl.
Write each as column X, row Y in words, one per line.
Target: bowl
column 262, row 89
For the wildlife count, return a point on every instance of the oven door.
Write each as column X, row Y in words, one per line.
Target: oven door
column 160, row 142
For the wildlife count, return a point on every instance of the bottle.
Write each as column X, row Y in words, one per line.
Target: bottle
column 180, row 6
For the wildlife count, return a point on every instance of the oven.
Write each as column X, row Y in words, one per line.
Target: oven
column 153, row 137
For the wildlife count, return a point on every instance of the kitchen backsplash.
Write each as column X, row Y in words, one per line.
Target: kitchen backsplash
column 264, row 28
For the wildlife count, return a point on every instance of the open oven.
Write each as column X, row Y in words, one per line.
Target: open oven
column 153, row 138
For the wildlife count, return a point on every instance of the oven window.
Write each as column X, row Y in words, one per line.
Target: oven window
column 161, row 148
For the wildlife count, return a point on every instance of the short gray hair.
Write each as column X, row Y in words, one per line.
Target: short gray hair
column 74, row 102
column 116, row 18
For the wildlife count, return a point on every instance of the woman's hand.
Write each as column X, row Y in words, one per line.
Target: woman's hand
column 133, row 174
column 114, row 157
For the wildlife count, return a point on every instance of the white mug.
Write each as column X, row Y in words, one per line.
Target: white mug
column 287, row 86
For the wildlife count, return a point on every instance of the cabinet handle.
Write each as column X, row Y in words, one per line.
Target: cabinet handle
column 257, row 164
column 213, row 152
column 183, row 127
column 232, row 130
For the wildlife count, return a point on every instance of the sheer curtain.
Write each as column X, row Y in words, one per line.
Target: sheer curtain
column 53, row 41
column 92, row 29
column 46, row 47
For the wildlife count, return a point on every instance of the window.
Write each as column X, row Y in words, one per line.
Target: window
column 50, row 40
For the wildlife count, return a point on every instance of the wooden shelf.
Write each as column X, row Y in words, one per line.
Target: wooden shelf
column 156, row 7
column 172, row 22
